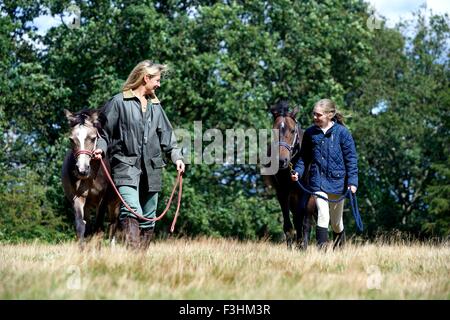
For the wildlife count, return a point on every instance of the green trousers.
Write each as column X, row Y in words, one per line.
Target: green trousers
column 141, row 201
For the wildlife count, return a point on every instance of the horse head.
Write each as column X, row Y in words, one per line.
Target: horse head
column 83, row 139
column 289, row 132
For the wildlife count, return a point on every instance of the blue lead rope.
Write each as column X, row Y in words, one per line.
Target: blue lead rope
column 355, row 210
column 353, row 203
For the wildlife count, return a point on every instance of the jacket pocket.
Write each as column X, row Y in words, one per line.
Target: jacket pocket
column 123, row 167
column 337, row 174
column 124, row 159
column 158, row 163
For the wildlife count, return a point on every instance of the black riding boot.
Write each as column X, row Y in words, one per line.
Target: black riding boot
column 146, row 237
column 321, row 237
column 339, row 239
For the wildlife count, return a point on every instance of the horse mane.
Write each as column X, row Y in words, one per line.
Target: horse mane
column 84, row 117
column 281, row 108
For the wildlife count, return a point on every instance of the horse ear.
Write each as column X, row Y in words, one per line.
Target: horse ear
column 67, row 113
column 294, row 112
column 94, row 118
column 273, row 110
column 69, row 116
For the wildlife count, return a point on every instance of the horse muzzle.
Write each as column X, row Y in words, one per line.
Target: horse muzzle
column 83, row 173
column 283, row 163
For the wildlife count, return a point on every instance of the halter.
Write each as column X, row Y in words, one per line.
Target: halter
column 288, row 146
column 88, row 152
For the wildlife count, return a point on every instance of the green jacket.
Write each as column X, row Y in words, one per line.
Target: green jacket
column 131, row 137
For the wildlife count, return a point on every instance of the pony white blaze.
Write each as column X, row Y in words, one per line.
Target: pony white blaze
column 83, row 159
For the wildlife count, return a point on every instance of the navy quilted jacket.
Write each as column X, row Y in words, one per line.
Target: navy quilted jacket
column 333, row 158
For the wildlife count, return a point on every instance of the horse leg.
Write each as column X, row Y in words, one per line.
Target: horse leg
column 287, row 224
column 80, row 224
column 310, row 209
column 112, row 226
column 113, row 218
column 100, row 217
column 298, row 212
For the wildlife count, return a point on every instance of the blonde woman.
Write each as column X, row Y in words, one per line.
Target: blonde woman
column 136, row 132
column 329, row 147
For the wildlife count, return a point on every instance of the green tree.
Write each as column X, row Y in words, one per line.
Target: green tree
column 229, row 61
column 402, row 112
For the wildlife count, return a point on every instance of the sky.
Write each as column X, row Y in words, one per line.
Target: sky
column 393, row 10
column 399, row 10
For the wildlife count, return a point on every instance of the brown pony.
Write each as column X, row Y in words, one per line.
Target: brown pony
column 290, row 196
column 84, row 182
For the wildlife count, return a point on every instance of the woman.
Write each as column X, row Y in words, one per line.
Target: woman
column 329, row 147
column 136, row 131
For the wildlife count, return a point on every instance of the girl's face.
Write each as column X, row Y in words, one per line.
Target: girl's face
column 321, row 118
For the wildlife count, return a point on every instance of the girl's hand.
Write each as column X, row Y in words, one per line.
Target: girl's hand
column 294, row 177
column 353, row 188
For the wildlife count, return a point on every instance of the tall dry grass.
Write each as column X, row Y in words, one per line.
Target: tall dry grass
column 224, row 269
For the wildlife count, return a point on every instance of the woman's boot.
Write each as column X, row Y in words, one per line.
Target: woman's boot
column 146, row 237
column 131, row 228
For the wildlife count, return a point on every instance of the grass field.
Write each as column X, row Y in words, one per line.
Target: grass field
column 223, row 269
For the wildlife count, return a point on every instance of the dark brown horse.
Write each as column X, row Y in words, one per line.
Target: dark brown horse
column 290, row 197
column 84, row 182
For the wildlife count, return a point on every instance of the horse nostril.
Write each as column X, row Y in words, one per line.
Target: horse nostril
column 283, row 163
column 83, row 171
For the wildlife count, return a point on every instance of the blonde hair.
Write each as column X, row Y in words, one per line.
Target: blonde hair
column 329, row 106
column 136, row 77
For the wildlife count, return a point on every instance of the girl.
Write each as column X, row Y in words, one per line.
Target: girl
column 329, row 147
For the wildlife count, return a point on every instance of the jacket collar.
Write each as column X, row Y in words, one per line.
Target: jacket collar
column 129, row 94
column 318, row 129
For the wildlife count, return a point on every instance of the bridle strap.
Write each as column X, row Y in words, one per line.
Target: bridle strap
column 79, row 152
column 88, row 152
column 288, row 146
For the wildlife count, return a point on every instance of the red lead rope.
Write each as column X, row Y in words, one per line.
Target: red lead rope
column 179, row 181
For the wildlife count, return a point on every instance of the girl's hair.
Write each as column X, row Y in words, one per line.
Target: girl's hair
column 329, row 106
column 138, row 73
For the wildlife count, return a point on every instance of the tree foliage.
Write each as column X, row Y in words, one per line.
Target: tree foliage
column 229, row 61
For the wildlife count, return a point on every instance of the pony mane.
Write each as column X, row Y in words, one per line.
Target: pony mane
column 84, row 117
column 281, row 108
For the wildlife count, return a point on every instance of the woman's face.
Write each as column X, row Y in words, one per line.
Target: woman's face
column 152, row 83
column 321, row 118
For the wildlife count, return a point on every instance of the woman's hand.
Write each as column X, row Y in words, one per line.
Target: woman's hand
column 353, row 188
column 180, row 166
column 294, row 177
column 98, row 154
